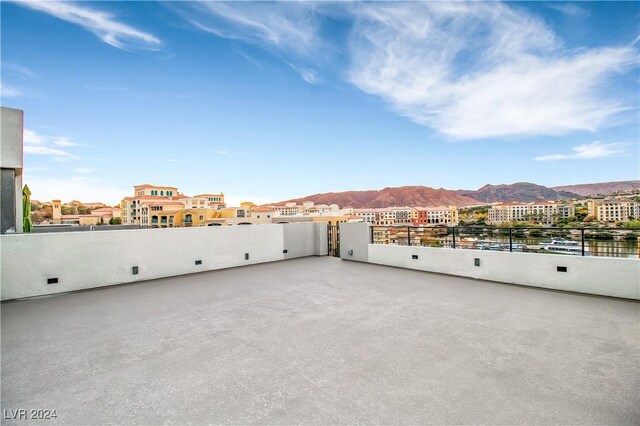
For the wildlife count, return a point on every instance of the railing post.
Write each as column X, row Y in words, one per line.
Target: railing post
column 454, row 237
column 511, row 240
column 408, row 235
column 371, row 233
column 582, row 237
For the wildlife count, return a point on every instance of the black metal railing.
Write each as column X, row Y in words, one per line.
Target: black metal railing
column 609, row 242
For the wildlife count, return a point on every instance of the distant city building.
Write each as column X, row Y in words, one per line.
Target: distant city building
column 367, row 215
column 443, row 215
column 307, row 212
column 264, row 214
column 96, row 216
column 289, row 209
column 214, row 201
column 384, row 216
column 424, row 216
column 404, row 215
column 165, row 207
column 543, row 212
column 613, row 209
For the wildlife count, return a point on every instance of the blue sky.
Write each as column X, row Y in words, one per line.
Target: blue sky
column 269, row 101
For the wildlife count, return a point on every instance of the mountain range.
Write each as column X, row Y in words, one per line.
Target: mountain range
column 425, row 196
column 520, row 191
column 599, row 188
column 399, row 196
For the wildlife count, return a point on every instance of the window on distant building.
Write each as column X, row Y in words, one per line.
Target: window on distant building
column 201, row 217
column 161, row 192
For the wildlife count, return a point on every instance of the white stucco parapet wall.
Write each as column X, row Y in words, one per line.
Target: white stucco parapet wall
column 606, row 276
column 83, row 260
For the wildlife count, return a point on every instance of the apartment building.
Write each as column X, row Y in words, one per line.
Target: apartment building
column 165, row 207
column 289, row 209
column 307, row 207
column 367, row 215
column 153, row 190
column 443, row 215
column 386, row 216
column 160, row 213
column 613, row 209
column 543, row 212
column 404, row 215
column 264, row 214
column 204, row 201
column 320, row 208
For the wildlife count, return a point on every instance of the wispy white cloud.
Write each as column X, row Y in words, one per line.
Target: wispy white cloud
column 103, row 24
column 289, row 26
column 38, row 144
column 64, row 142
column 220, row 152
column 84, row 170
column 253, row 61
column 31, row 137
column 9, row 91
column 590, row 151
column 569, row 9
column 307, row 74
column 56, row 154
column 19, row 70
column 469, row 70
column 172, row 160
column 479, row 70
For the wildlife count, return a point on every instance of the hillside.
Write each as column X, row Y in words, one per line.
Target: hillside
column 423, row 196
column 520, row 191
column 600, row 188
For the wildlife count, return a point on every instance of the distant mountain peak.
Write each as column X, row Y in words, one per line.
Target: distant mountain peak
column 415, row 195
column 520, row 191
column 600, row 188
column 425, row 196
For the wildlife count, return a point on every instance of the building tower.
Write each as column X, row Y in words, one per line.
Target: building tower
column 57, row 212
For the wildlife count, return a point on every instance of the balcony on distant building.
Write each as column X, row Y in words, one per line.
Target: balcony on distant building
column 258, row 325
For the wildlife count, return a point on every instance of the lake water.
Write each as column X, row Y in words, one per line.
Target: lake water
column 607, row 248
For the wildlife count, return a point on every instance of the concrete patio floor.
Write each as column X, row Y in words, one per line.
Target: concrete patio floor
column 322, row 341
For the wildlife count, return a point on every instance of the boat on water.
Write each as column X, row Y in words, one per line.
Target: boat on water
column 498, row 246
column 562, row 246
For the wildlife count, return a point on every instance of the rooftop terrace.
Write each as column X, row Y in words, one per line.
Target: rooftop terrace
column 321, row 340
